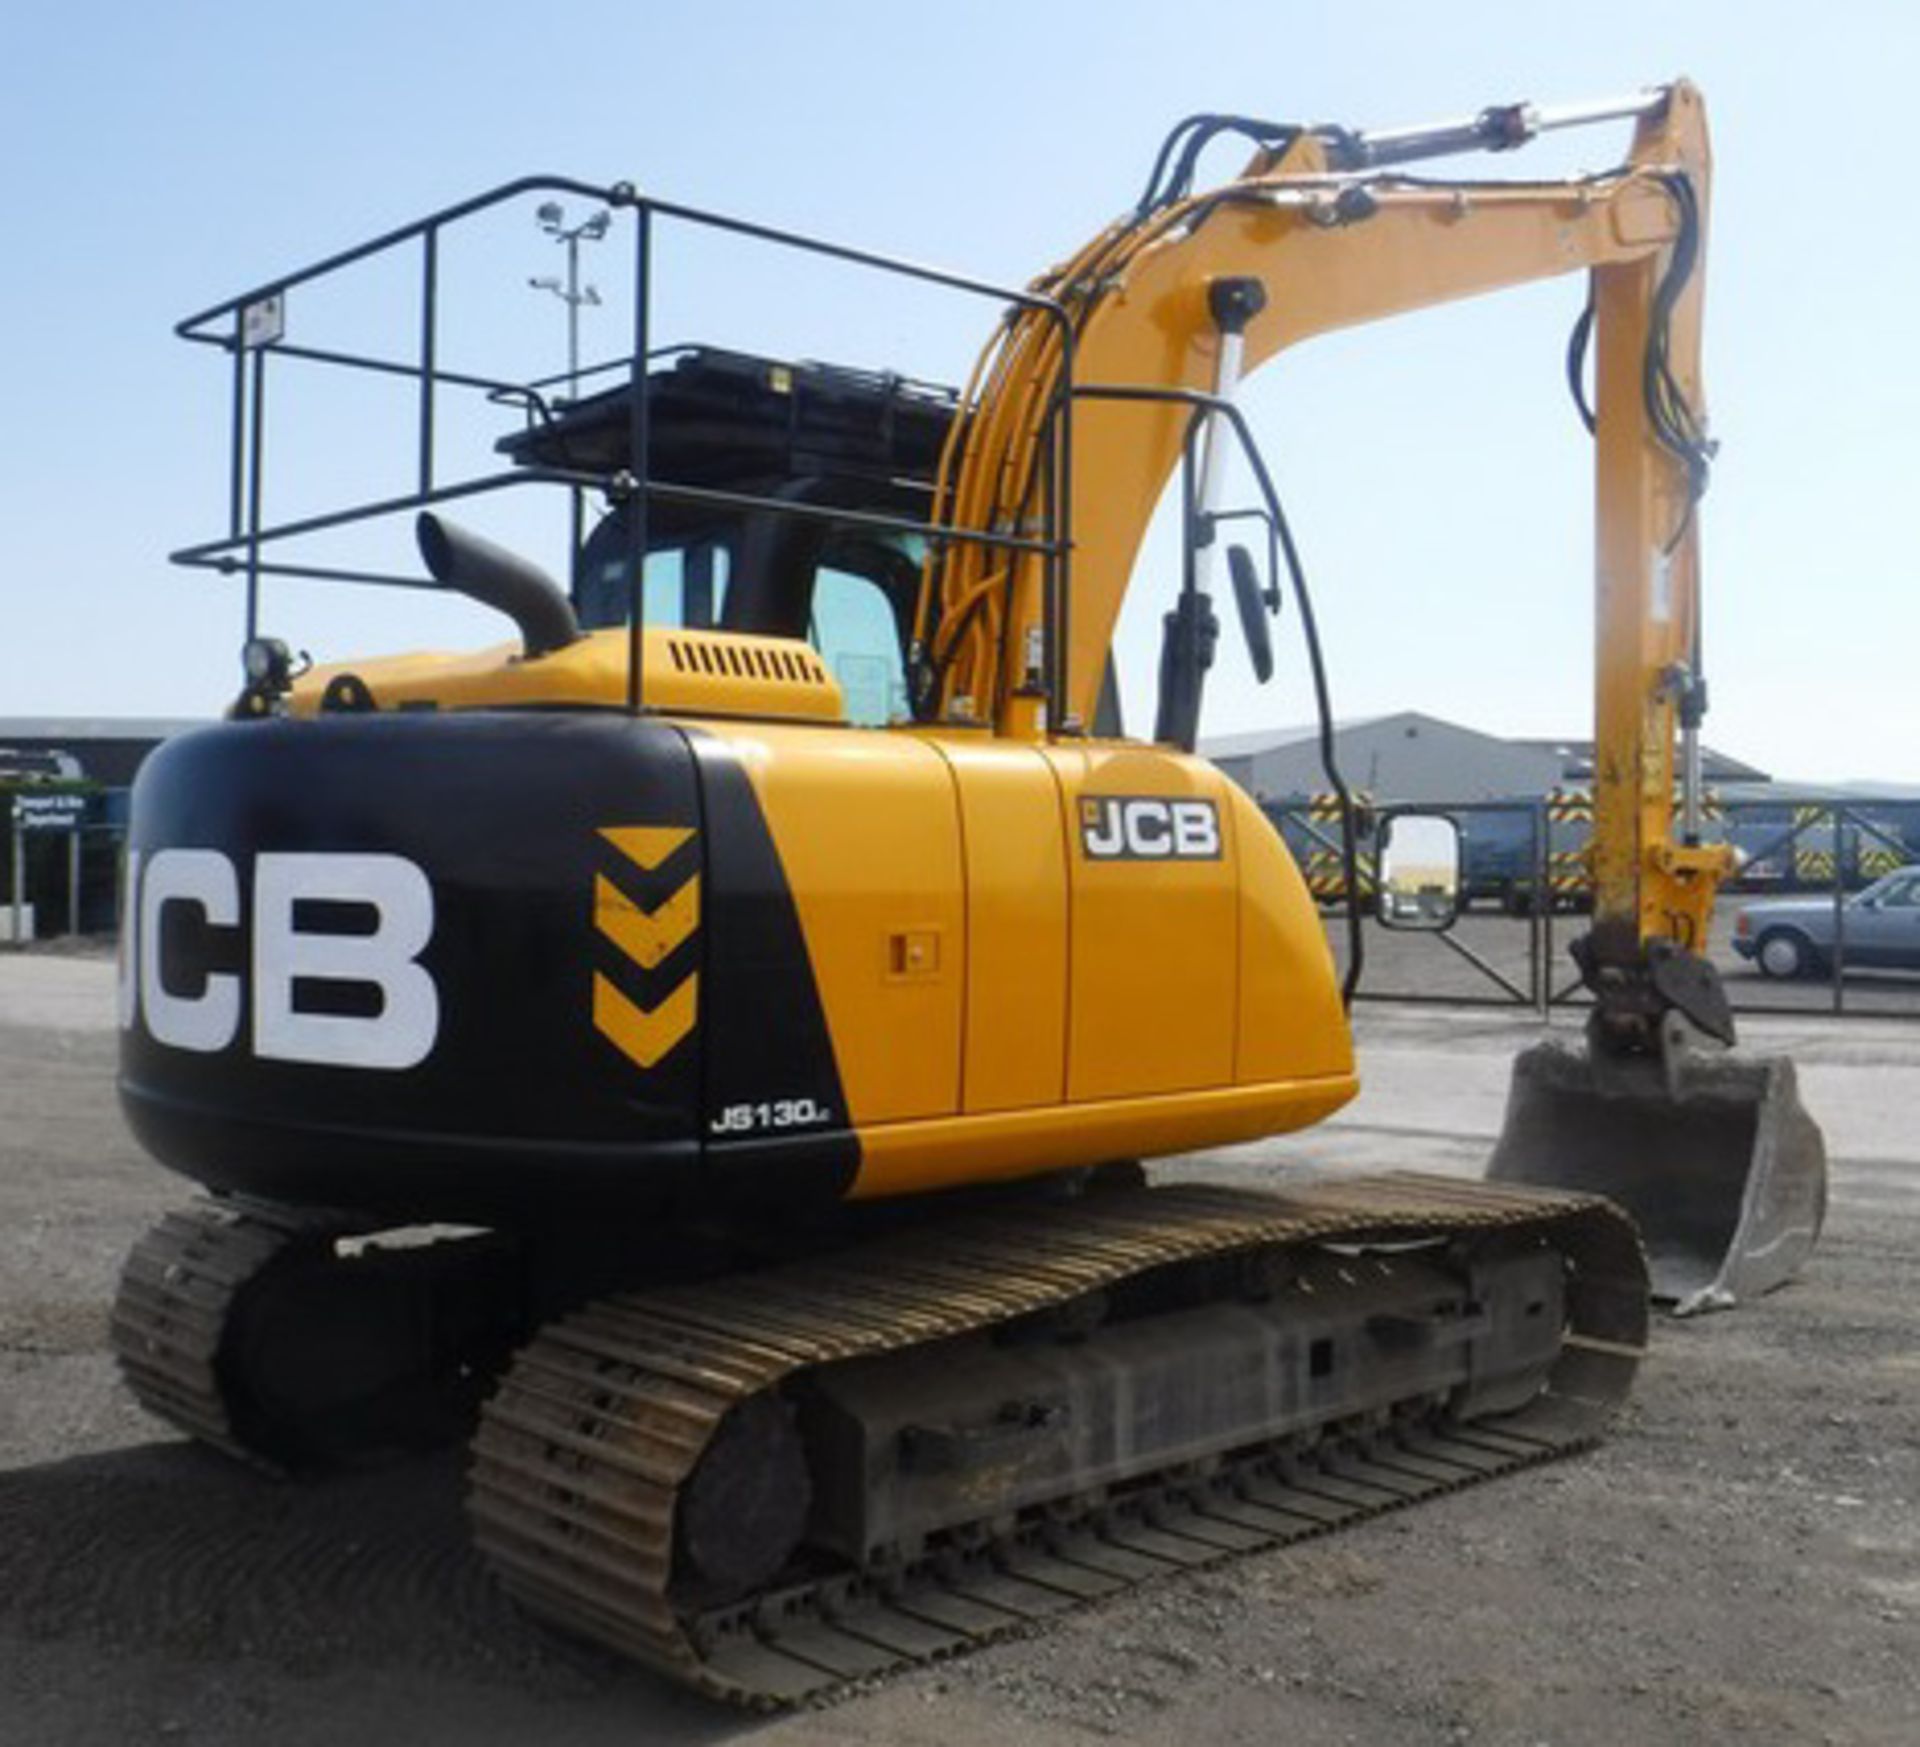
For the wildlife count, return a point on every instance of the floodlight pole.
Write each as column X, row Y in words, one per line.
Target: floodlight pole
column 552, row 219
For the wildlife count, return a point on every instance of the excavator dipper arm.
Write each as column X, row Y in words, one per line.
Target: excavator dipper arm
column 1333, row 248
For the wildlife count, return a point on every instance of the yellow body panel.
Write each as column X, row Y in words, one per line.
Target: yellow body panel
column 908, row 1158
column 1002, row 1004
column 1155, row 943
column 1015, row 846
column 868, row 832
column 1290, row 1021
column 699, row 672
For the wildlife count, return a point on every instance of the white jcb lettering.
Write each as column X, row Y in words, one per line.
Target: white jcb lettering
column 205, row 879
column 1147, row 828
column 1149, row 835
column 402, row 1033
column 382, row 959
column 1196, row 829
column 129, row 968
column 1101, row 829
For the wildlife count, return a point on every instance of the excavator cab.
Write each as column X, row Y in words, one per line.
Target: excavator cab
column 805, row 441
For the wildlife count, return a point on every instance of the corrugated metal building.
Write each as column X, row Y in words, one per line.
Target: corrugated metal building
column 1413, row 757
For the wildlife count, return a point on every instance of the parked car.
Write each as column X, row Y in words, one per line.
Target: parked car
column 1794, row 937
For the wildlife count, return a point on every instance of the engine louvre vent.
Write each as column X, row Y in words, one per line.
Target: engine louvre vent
column 725, row 656
column 730, row 673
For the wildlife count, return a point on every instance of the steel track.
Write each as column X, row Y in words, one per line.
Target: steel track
column 174, row 1306
column 601, row 1420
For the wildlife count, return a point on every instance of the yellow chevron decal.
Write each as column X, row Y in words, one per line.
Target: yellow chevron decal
column 645, row 1038
column 648, row 845
column 646, row 936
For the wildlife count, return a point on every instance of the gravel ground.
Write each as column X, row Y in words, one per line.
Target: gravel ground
column 1739, row 1563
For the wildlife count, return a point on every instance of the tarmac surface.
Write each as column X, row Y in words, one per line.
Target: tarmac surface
column 1740, row 1562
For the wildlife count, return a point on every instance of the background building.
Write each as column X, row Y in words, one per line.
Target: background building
column 64, row 783
column 106, row 749
column 1412, row 757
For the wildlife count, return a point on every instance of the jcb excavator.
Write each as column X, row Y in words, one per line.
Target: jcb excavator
column 714, row 1035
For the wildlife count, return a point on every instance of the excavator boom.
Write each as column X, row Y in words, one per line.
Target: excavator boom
column 1719, row 1163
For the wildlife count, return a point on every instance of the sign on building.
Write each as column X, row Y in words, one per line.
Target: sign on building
column 49, row 812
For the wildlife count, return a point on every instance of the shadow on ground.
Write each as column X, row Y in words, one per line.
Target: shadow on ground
column 165, row 1550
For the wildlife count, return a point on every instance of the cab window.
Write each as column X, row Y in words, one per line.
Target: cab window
column 685, row 585
column 854, row 627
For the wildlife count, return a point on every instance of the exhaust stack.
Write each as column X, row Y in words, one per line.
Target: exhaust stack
column 500, row 579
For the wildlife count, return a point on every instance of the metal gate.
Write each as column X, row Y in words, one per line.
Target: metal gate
column 1527, row 885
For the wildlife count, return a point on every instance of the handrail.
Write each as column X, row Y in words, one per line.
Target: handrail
column 250, row 331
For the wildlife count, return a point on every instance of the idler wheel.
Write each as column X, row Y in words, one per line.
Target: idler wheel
column 745, row 1506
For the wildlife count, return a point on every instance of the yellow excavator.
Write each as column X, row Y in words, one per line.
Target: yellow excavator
column 711, row 1039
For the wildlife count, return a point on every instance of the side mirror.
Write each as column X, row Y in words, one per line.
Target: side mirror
column 1419, row 872
column 1253, row 611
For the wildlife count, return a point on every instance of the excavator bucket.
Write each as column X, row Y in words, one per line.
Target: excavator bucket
column 1714, row 1156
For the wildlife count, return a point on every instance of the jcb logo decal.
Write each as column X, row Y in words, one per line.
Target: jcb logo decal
column 280, row 952
column 648, row 937
column 1146, row 828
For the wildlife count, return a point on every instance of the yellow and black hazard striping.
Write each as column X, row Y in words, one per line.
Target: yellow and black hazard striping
column 1575, row 806
column 1326, row 807
column 1570, row 871
column 648, row 911
column 1880, row 860
column 1325, row 867
column 1813, row 864
column 1569, row 806
column 1326, row 874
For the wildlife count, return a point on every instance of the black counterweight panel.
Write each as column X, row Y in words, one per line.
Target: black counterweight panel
column 776, row 1118
column 521, row 1097
column 612, row 1006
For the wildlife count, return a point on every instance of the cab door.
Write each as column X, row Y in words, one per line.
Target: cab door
column 1153, row 918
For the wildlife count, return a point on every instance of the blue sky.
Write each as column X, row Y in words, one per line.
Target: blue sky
column 158, row 159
